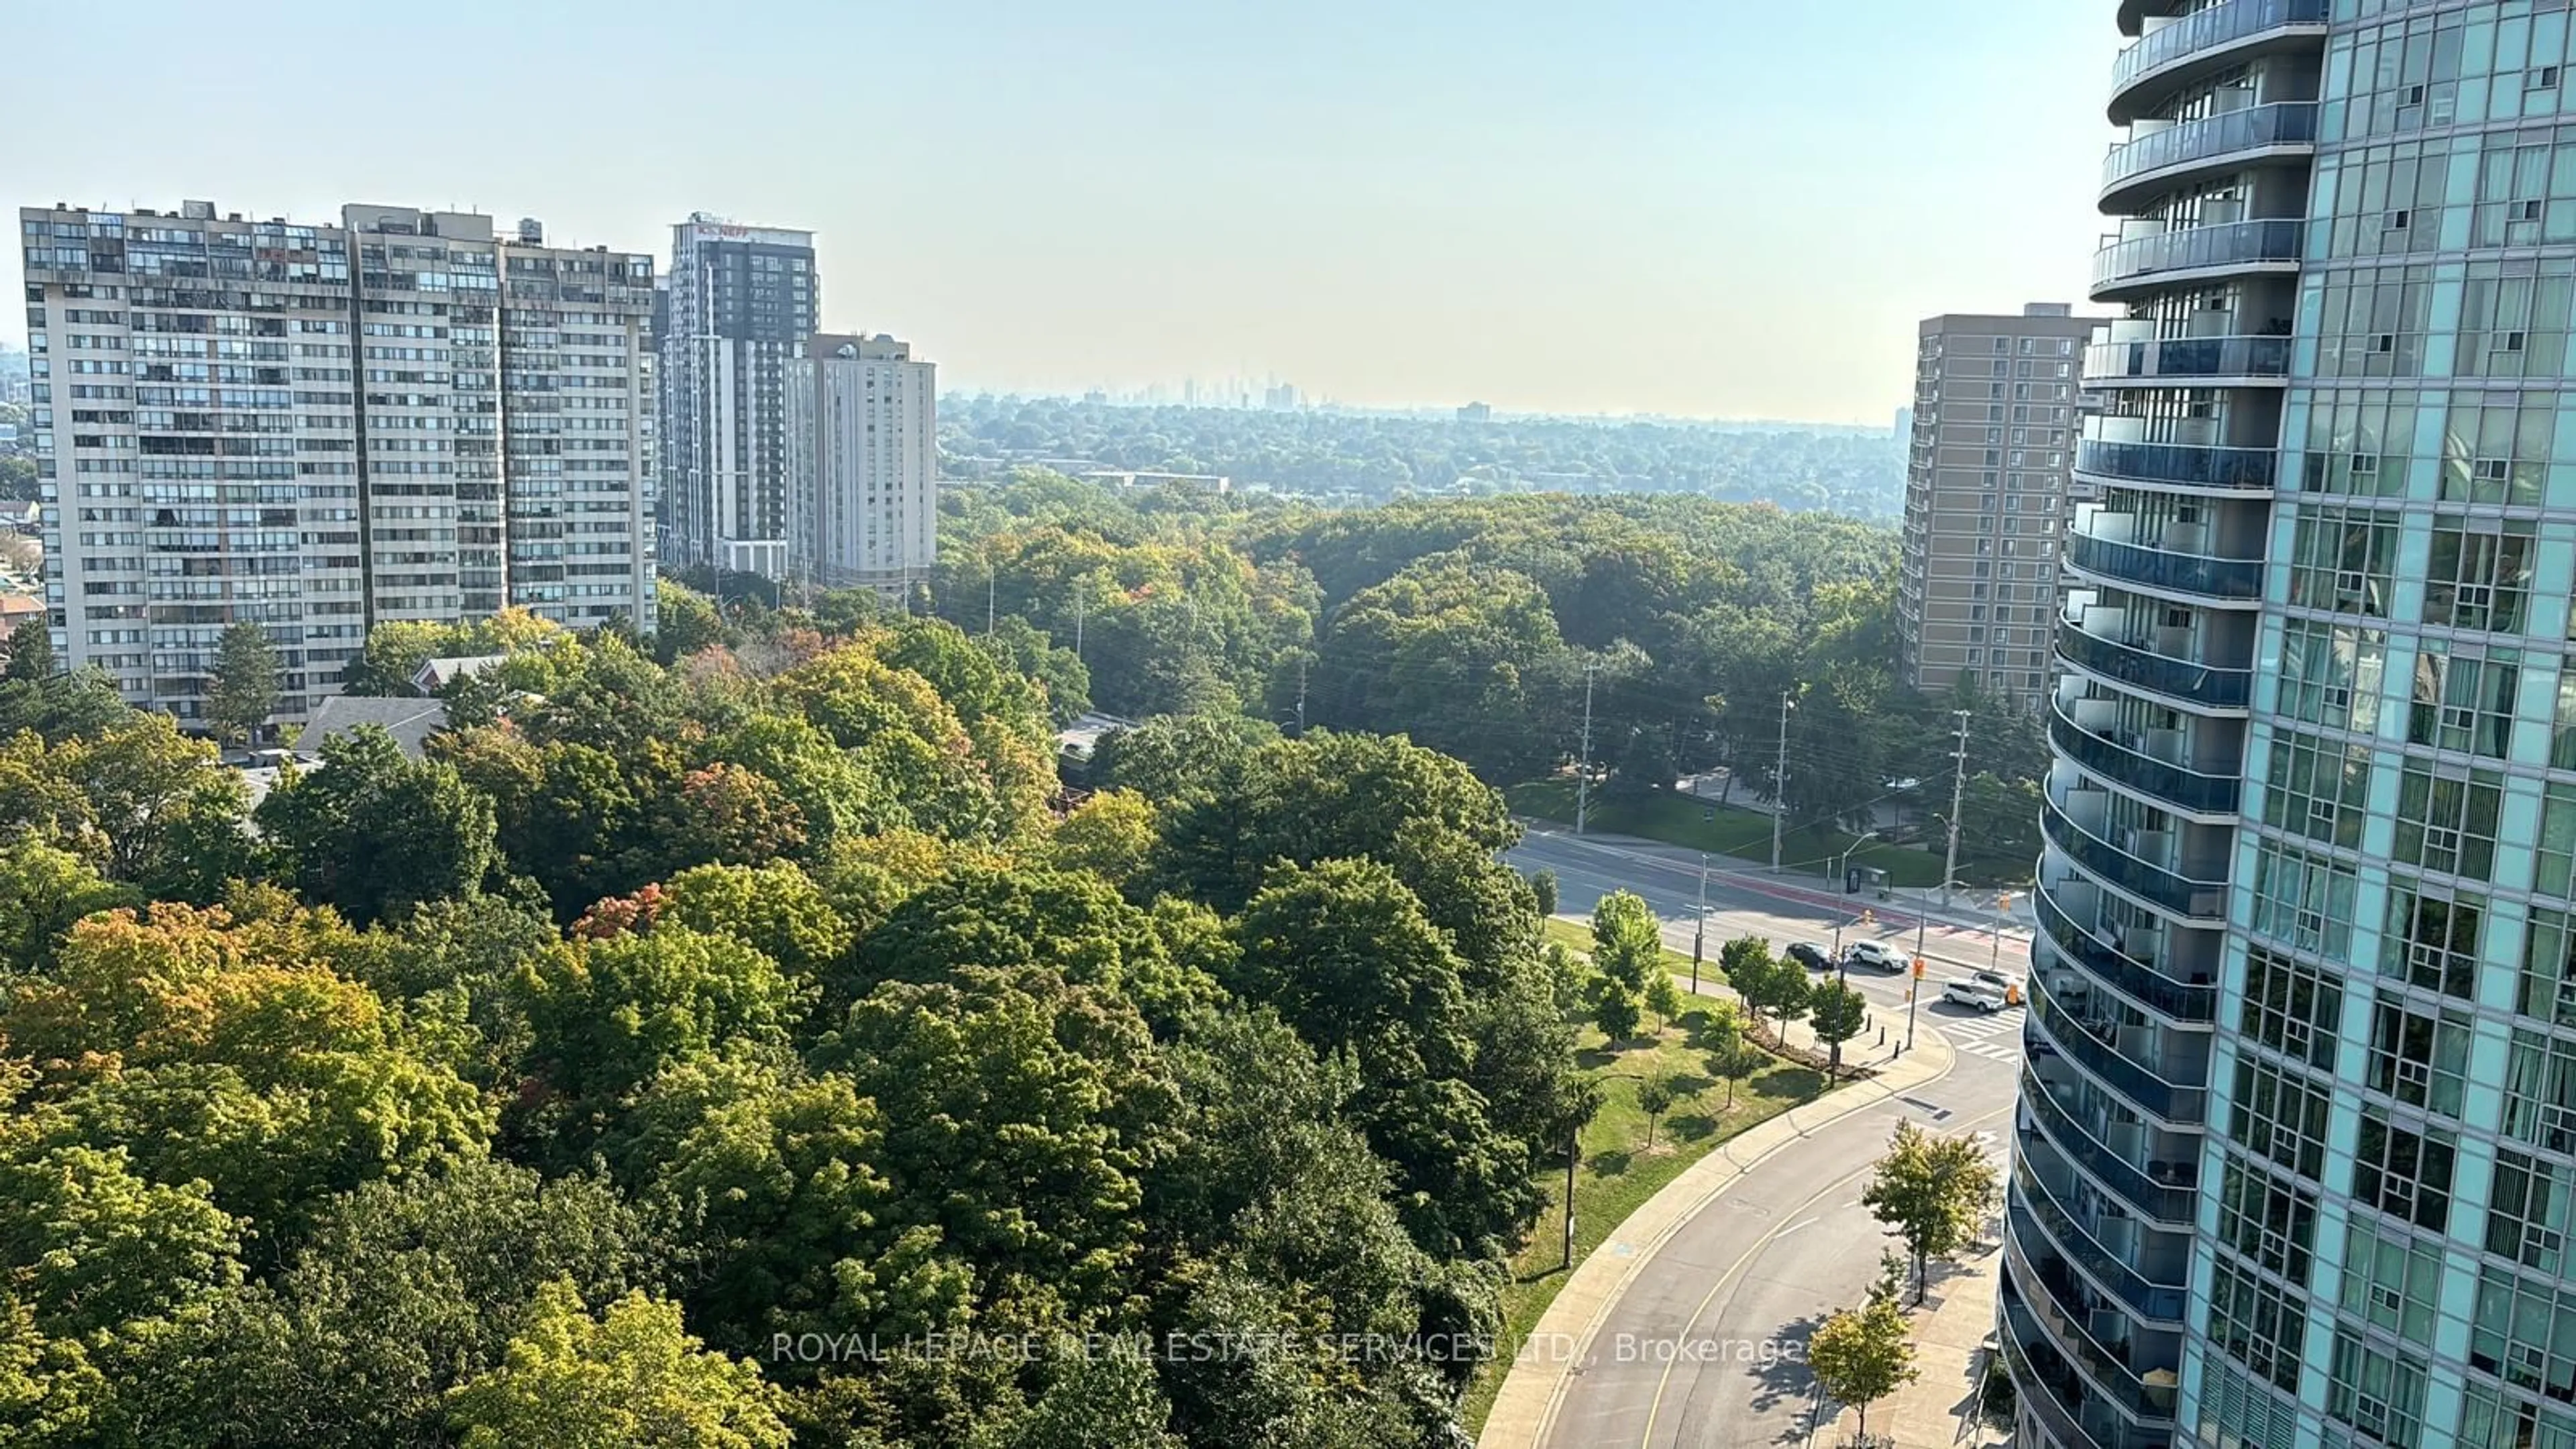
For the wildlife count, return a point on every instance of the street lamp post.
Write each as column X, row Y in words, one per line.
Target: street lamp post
column 1699, row 928
column 1843, row 865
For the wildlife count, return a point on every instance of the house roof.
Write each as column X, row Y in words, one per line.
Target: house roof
column 440, row 672
column 410, row 721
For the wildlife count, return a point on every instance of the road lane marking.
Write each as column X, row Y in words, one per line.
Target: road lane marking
column 1663, row 1385
column 1793, row 1227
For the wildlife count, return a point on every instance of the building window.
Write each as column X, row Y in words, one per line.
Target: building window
column 2404, row 1172
column 2376, row 1394
column 2295, row 1010
column 2479, row 578
column 2331, row 673
column 2446, row 822
column 2281, row 1115
column 2432, row 939
column 2418, row 1057
column 2540, row 1093
column 2257, row 1324
column 2527, row 1212
column 2318, row 789
column 2303, row 900
column 2464, row 700
column 2549, row 968
column 2269, row 1222
column 2525, row 1334
column 2342, row 560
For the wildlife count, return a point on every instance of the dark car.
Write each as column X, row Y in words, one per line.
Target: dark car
column 1811, row 956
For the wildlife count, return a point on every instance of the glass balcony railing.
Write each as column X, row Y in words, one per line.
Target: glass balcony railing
column 2048, row 1388
column 2033, row 1204
column 2284, row 123
column 2155, row 568
column 2074, row 1040
column 2156, row 884
column 2208, row 29
column 2186, row 358
column 2233, row 244
column 2187, row 465
column 2045, row 1286
column 2183, row 679
column 2121, row 764
column 2167, row 1198
column 2187, row 1003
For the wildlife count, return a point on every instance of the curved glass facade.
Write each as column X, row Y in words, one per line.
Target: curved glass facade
column 2300, row 1170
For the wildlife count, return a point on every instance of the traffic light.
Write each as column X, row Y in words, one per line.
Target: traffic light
column 1920, row 968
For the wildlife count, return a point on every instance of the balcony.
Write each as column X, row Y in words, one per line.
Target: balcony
column 2196, row 253
column 2238, row 580
column 2186, row 360
column 2155, row 884
column 2074, row 1040
column 2190, row 1004
column 2179, row 465
column 2166, row 1199
column 2047, row 1287
column 2053, row 1392
column 2186, row 681
column 2133, row 171
column 2034, row 1207
column 2207, row 38
column 2188, row 791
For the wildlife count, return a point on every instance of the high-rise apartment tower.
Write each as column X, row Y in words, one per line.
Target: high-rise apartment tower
column 2298, row 1138
column 864, row 419
column 322, row 428
column 1995, row 413
column 741, row 302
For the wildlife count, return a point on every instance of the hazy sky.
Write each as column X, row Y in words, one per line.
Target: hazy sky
column 1729, row 208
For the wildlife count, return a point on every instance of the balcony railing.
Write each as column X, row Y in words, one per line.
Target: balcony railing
column 2196, row 683
column 2208, row 29
column 2169, row 1204
column 2070, row 1038
column 2199, row 248
column 2032, row 1202
column 2187, row 465
column 2105, row 1367
column 2185, row 789
column 2284, row 123
column 2155, row 568
column 2048, row 1386
column 2186, row 359
column 2194, row 1004
column 2150, row 882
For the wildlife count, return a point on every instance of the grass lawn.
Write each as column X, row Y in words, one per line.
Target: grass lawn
column 1618, row 1172
column 1681, row 820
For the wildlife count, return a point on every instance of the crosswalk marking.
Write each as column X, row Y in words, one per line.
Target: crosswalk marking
column 1992, row 1052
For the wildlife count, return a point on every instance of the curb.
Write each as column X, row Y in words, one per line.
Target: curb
column 1519, row 1419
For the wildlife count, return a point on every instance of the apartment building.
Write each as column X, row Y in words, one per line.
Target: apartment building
column 741, row 302
column 863, row 465
column 1988, row 470
column 318, row 428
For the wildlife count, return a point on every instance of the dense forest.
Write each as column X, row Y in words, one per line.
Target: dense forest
column 748, row 1043
column 1475, row 626
column 1376, row 457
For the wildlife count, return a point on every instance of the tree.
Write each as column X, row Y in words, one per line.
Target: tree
column 375, row 834
column 607, row 1014
column 30, row 653
column 1543, row 886
column 243, row 692
column 1772, row 986
column 1656, row 1094
column 1663, row 997
column 1104, row 1399
column 1627, row 951
column 1861, row 1356
column 632, row 1378
column 1933, row 1193
column 1999, row 820
column 1730, row 1057
column 1840, row 1013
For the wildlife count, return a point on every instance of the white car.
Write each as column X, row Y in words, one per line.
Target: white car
column 1982, row 995
column 1876, row 954
column 2010, row 986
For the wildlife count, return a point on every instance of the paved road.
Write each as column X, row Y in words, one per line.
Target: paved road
column 1704, row 1350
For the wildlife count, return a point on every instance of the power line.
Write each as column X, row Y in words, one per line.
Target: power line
column 1958, row 793
column 1583, row 779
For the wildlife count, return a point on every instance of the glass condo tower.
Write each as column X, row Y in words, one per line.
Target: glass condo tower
column 2297, row 1142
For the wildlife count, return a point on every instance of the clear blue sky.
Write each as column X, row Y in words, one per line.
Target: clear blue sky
column 1711, row 207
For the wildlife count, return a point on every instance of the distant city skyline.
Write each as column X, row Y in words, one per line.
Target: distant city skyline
column 1730, row 210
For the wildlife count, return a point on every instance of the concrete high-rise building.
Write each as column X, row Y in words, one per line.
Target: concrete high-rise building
column 864, row 420
column 742, row 300
column 322, row 428
column 2297, row 1149
column 1992, row 443
column 1905, row 426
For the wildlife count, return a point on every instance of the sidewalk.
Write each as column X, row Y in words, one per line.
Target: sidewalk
column 1526, row 1407
column 1939, row 1410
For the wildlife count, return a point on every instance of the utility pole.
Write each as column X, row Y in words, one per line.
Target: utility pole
column 1077, row 621
column 1699, row 932
column 1583, row 780
column 992, row 578
column 1958, row 793
column 1573, row 1155
column 1780, row 783
column 1301, row 702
